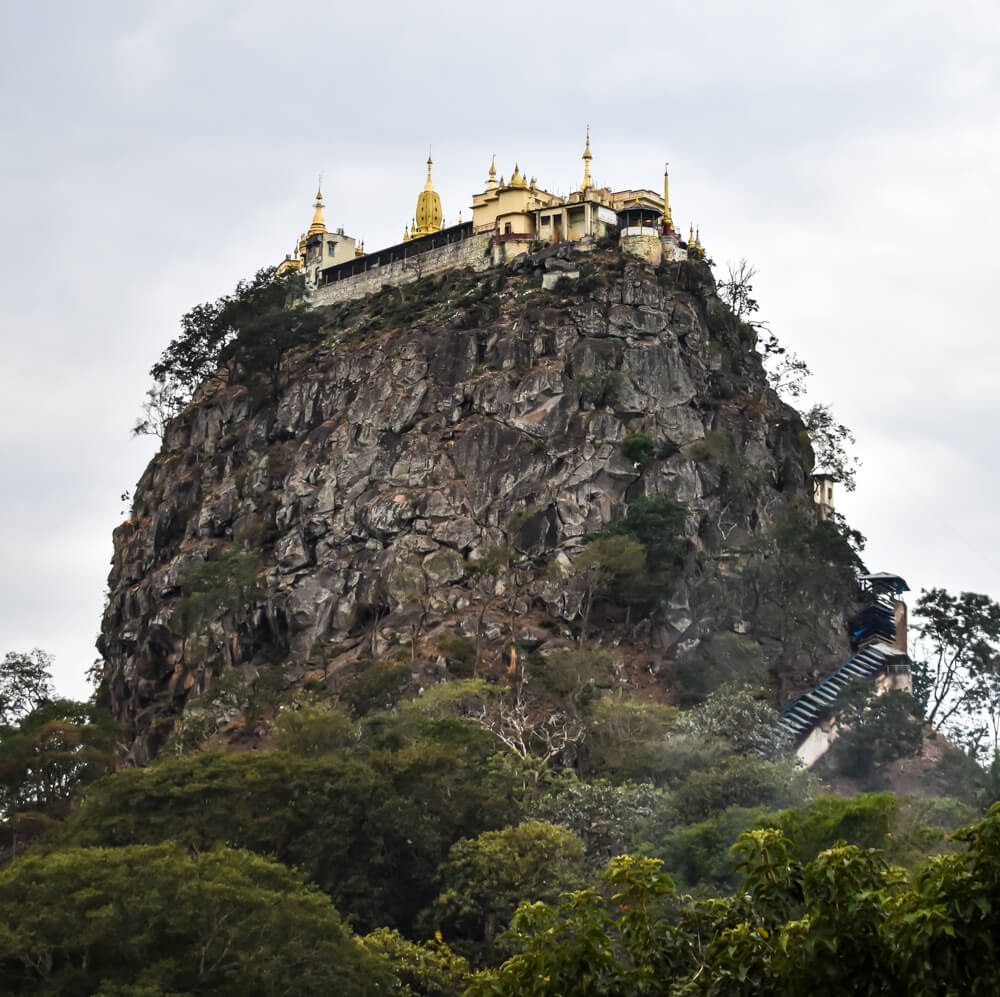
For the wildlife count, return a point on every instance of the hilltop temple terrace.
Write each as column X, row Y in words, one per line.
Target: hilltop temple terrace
column 509, row 217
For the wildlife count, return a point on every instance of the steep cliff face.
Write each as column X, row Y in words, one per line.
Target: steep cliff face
column 432, row 423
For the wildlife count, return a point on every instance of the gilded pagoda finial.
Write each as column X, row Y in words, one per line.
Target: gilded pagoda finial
column 318, row 226
column 668, row 221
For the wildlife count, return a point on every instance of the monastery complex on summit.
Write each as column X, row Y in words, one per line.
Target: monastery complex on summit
column 508, row 218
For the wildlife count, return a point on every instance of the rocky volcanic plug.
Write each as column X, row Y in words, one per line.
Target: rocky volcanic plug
column 435, row 421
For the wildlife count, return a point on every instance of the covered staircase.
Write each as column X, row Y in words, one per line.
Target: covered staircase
column 878, row 640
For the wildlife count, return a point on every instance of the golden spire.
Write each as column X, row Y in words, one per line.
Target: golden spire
column 406, row 233
column 668, row 221
column 318, row 226
column 691, row 234
column 491, row 183
column 428, row 216
column 587, row 157
column 516, row 180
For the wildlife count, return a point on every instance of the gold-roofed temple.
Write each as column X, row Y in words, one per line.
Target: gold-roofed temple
column 319, row 248
column 508, row 219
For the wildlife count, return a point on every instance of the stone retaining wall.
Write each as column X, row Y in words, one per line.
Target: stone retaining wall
column 473, row 252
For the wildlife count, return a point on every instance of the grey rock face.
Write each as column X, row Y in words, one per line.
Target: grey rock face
column 391, row 458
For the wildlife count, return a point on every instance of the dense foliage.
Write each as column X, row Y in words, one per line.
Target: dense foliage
column 846, row 922
column 464, row 831
column 160, row 919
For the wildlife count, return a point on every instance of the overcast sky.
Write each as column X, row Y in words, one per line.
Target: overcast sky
column 155, row 153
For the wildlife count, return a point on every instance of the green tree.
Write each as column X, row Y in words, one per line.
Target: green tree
column 740, row 781
column 626, row 738
column 658, row 523
column 607, row 818
column 698, row 855
column 610, row 566
column 269, row 327
column 492, row 566
column 25, row 683
column 735, row 715
column 315, row 730
column 427, row 969
column 615, row 941
column 866, row 820
column 944, row 931
column 485, row 878
column 831, row 442
column 876, row 728
column 157, row 919
column 957, row 658
column 54, row 752
column 254, row 326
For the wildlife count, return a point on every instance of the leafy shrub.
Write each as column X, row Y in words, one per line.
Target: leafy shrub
column 485, row 878
column 698, row 855
column 428, row 969
column 722, row 659
column 601, row 388
column 605, row 816
column 735, row 716
column 571, row 673
column 740, row 782
column 638, row 447
column 626, row 739
column 865, row 820
column 657, row 522
column 714, row 445
column 460, row 653
column 314, row 730
column 377, row 687
column 876, row 729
